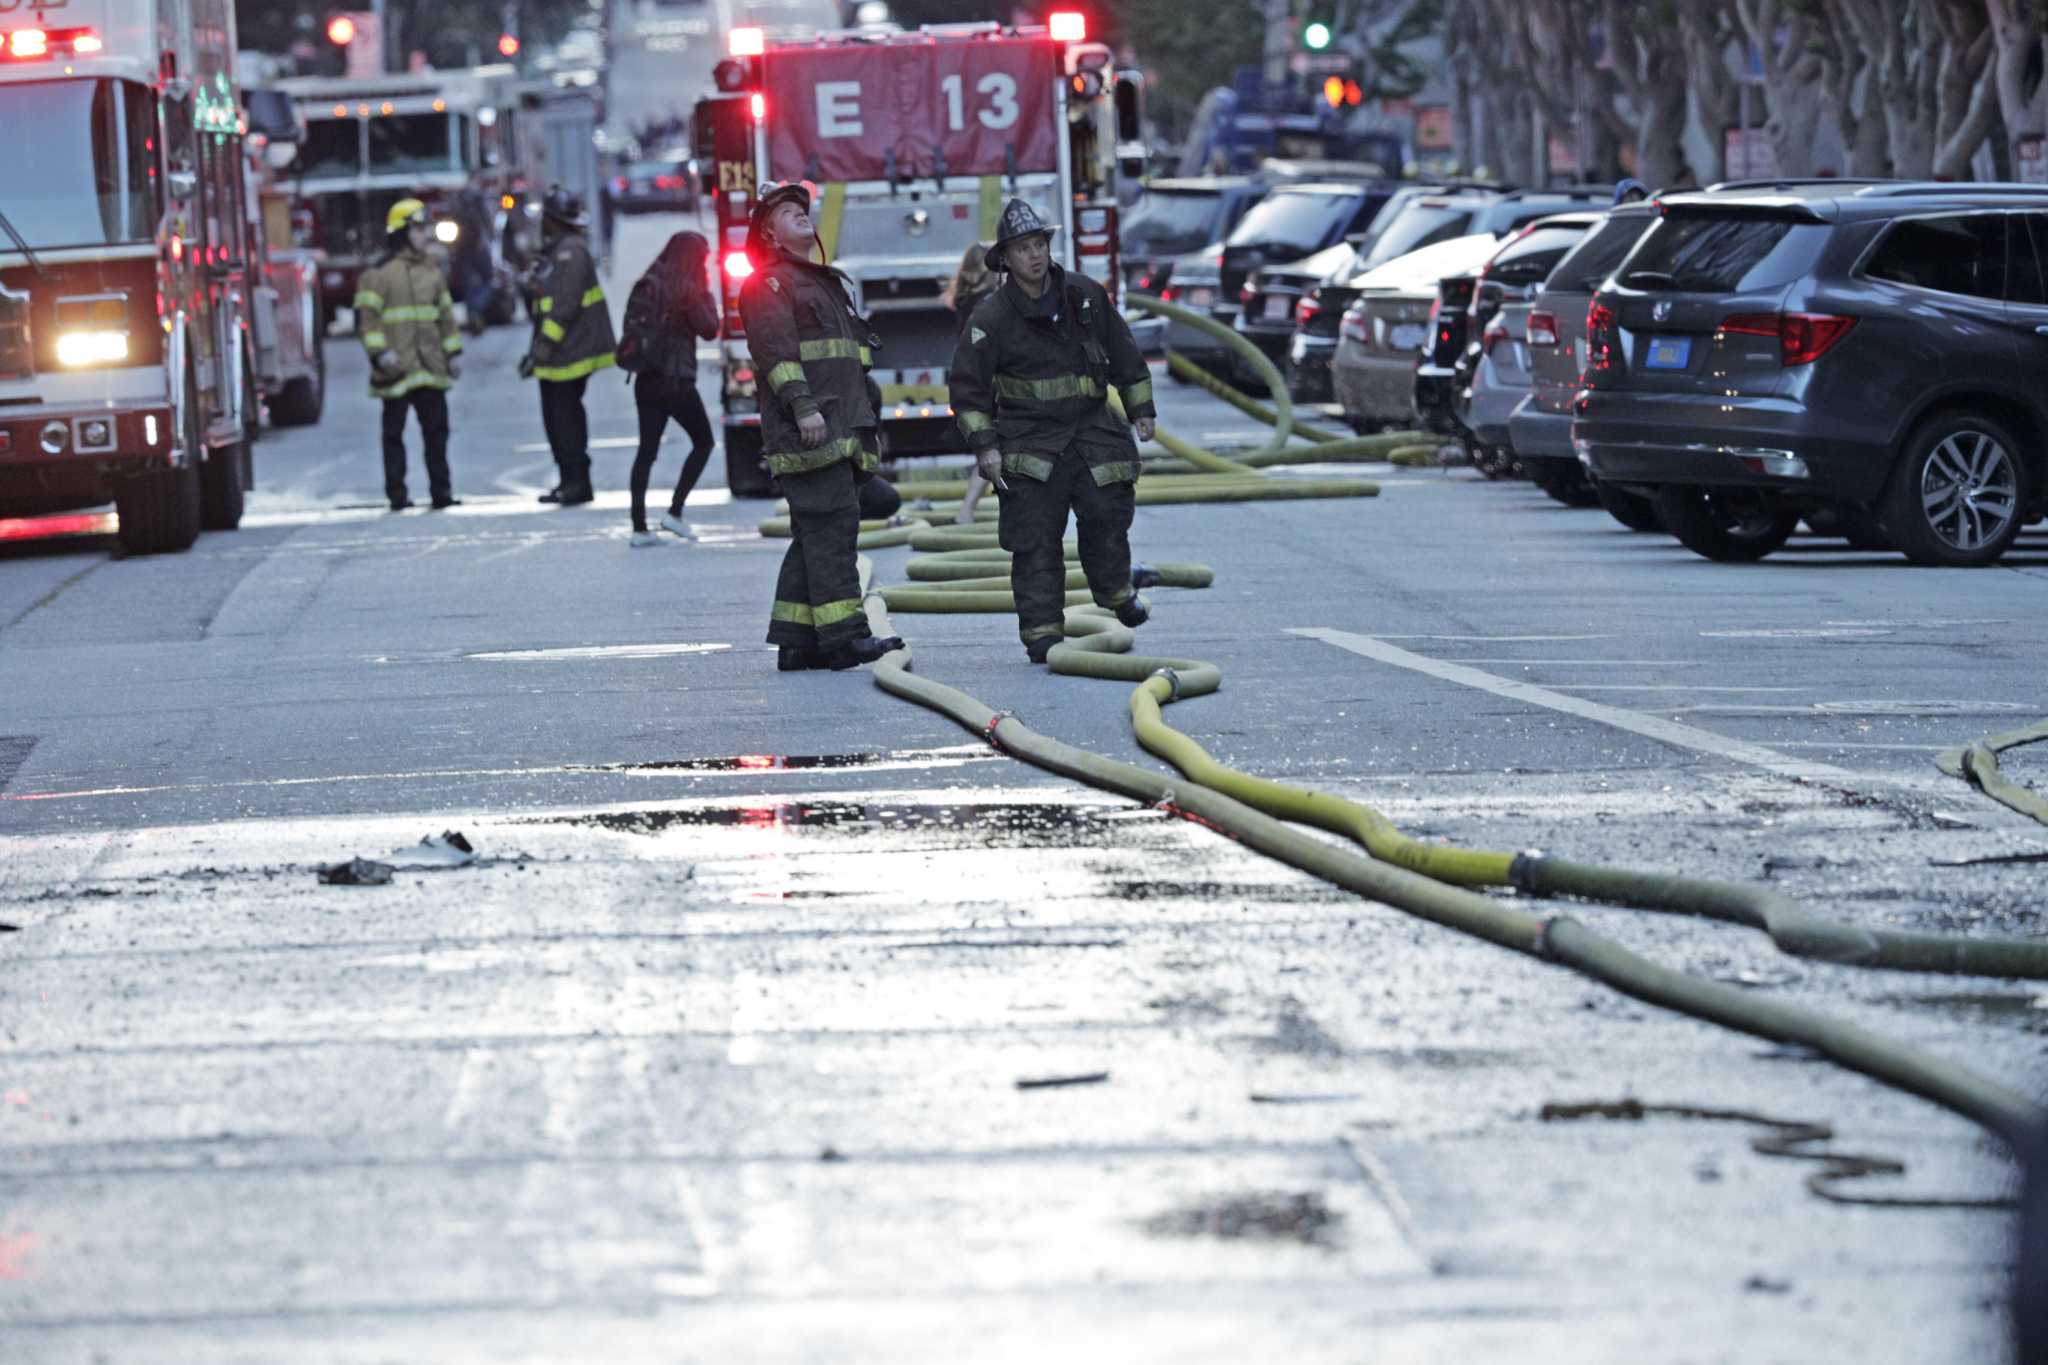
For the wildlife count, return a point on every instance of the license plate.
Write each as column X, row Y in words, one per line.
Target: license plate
column 1201, row 298
column 1668, row 353
column 1406, row 336
column 1279, row 308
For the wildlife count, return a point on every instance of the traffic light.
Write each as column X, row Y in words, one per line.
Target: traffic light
column 508, row 45
column 1315, row 35
column 341, row 30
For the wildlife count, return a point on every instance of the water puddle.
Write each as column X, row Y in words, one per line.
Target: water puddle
column 1014, row 824
column 768, row 763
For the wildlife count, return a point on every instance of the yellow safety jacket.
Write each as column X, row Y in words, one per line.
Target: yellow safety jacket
column 402, row 305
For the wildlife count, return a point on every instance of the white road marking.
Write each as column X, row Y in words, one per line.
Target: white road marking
column 1489, row 639
column 652, row 651
column 1635, row 722
column 1670, row 687
column 1794, row 633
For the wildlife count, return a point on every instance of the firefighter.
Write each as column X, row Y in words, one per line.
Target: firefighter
column 572, row 339
column 406, row 320
column 1030, row 383
column 819, row 431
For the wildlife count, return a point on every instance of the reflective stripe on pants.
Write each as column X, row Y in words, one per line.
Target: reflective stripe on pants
column 1032, row 524
column 820, row 569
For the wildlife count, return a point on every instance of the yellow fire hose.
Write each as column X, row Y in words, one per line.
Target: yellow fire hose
column 1977, row 764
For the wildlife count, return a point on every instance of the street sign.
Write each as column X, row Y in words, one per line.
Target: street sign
column 1321, row 64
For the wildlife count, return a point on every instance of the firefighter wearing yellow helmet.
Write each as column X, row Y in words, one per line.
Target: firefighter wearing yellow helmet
column 406, row 320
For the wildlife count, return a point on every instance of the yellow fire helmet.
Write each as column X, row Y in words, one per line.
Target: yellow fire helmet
column 404, row 214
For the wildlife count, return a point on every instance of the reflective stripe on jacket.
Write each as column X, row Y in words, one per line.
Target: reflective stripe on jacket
column 402, row 305
column 811, row 355
column 572, row 334
column 1034, row 384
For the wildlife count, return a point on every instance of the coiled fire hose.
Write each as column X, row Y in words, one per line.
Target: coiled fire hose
column 1977, row 764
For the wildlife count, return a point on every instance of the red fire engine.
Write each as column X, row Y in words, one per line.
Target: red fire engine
column 915, row 140
column 125, row 358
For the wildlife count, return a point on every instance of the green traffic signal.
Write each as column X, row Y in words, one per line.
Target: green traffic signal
column 1316, row 35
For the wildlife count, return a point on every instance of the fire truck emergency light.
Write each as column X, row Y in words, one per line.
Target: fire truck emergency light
column 737, row 266
column 746, row 42
column 28, row 42
column 757, row 104
column 1067, row 26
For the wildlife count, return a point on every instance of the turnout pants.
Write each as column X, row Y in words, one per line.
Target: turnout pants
column 817, row 596
column 1032, row 526
column 431, row 406
column 561, row 413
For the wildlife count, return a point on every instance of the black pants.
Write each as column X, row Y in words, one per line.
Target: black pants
column 659, row 398
column 817, row 595
column 561, row 412
column 1032, row 524
column 431, row 405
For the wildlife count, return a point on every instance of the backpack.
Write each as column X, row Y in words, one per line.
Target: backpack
column 642, row 324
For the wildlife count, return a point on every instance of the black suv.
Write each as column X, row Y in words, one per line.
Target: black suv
column 1291, row 222
column 1867, row 354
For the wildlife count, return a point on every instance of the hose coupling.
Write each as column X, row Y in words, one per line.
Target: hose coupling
column 1172, row 682
column 1523, row 872
column 988, row 731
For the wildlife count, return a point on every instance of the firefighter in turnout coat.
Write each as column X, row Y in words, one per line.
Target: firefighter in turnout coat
column 1030, row 382
column 406, row 320
column 572, row 339
column 819, row 432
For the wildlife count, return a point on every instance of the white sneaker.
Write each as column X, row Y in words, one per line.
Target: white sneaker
column 676, row 526
column 642, row 539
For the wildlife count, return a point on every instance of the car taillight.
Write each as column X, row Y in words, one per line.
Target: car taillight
column 1542, row 329
column 1352, row 328
column 1248, row 293
column 1169, row 294
column 1458, row 293
column 1600, row 322
column 1495, row 334
column 1306, row 310
column 1802, row 337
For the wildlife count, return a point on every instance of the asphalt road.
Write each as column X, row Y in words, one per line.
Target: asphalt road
column 716, row 1052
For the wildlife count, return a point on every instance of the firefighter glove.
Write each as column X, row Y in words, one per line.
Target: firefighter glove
column 989, row 464
column 526, row 367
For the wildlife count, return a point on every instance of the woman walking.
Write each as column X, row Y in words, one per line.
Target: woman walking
column 972, row 283
column 669, row 309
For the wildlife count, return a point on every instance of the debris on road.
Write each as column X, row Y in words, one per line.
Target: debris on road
column 1053, row 1082
column 1263, row 1216
column 434, row 853
column 356, row 872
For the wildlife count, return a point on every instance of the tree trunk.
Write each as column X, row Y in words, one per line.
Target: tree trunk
column 2019, row 61
column 1660, row 136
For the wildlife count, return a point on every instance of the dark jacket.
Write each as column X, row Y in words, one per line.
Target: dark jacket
column 665, row 320
column 573, row 329
column 1034, row 385
column 811, row 354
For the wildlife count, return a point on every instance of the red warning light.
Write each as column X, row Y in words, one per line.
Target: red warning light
column 1066, row 26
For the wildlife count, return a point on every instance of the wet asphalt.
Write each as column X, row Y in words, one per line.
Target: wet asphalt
column 780, row 1019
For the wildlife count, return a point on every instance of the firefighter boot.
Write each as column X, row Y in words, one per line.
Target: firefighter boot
column 797, row 658
column 1134, row 611
column 865, row 650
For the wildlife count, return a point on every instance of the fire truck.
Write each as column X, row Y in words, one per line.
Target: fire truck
column 287, row 325
column 125, row 252
column 914, row 140
column 371, row 141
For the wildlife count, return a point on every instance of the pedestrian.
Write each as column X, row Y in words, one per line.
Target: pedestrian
column 1631, row 192
column 819, row 430
column 970, row 284
column 1030, row 382
column 669, row 309
column 572, row 339
column 406, row 319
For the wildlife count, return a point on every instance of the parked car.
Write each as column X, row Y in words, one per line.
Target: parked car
column 1867, row 352
column 1176, row 218
column 1291, row 222
column 1393, row 233
column 664, row 184
column 1493, row 374
column 1383, row 334
column 1271, row 301
column 1436, row 378
column 1541, row 427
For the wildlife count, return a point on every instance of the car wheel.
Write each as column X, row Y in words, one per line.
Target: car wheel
column 1568, row 485
column 1732, row 526
column 1632, row 510
column 1956, row 495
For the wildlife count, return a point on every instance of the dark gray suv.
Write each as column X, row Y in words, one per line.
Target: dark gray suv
column 1872, row 355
